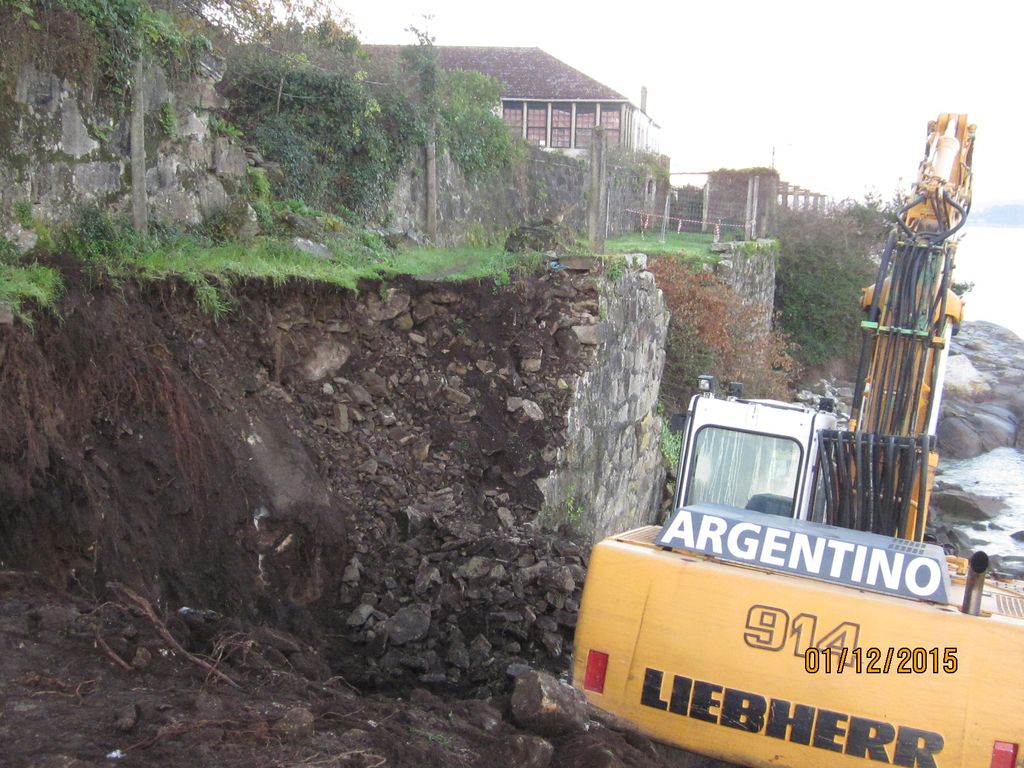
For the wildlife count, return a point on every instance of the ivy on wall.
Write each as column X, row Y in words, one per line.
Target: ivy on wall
column 95, row 42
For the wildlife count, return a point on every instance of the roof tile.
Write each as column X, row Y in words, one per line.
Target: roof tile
column 525, row 73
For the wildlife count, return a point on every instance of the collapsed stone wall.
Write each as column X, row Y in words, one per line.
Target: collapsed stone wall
column 355, row 466
column 609, row 474
column 63, row 147
column 541, row 185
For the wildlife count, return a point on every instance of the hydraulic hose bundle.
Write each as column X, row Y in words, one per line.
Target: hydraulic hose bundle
column 876, row 476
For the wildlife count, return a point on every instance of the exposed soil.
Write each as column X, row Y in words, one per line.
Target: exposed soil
column 327, row 496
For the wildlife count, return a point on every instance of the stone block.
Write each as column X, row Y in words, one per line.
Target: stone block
column 74, row 136
column 318, row 250
column 201, row 93
column 543, row 705
column 163, row 175
column 193, row 126
column 155, row 87
column 96, row 179
column 325, row 360
column 228, row 159
column 587, row 334
column 409, row 625
column 393, row 304
column 40, row 91
column 212, row 197
column 174, row 206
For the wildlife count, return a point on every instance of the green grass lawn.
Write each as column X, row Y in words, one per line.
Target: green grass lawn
column 694, row 244
column 211, row 268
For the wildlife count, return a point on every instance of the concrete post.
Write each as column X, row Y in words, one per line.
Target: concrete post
column 137, row 137
column 598, row 193
column 664, row 219
column 704, row 206
column 753, row 211
column 747, row 220
column 547, row 132
column 430, row 168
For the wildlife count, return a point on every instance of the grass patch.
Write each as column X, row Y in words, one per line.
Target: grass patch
column 693, row 244
column 671, row 443
column 212, row 268
column 465, row 263
column 212, row 264
column 29, row 284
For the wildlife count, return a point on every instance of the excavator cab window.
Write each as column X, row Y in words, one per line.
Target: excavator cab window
column 744, row 470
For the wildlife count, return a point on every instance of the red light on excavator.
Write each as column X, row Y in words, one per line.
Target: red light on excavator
column 1004, row 755
column 597, row 666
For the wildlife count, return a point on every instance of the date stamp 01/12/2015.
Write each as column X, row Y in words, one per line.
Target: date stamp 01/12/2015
column 881, row 661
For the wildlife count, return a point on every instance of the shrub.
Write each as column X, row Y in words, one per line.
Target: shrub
column 477, row 139
column 259, row 186
column 96, row 237
column 337, row 143
column 825, row 260
column 167, row 120
column 8, row 251
column 713, row 331
column 96, row 39
column 23, row 213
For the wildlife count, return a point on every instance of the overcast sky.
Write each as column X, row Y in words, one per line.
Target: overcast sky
column 843, row 92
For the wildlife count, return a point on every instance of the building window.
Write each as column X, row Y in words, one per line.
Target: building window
column 586, row 115
column 561, row 126
column 537, row 123
column 610, row 123
column 513, row 117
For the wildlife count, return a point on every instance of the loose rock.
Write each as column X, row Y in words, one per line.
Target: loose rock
column 408, row 625
column 297, row 723
column 545, row 706
column 325, row 360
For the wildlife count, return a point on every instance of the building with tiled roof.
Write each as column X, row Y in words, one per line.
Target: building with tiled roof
column 549, row 103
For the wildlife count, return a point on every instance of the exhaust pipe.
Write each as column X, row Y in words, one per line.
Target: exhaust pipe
column 975, row 583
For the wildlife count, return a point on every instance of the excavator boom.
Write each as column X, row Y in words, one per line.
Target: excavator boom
column 877, row 474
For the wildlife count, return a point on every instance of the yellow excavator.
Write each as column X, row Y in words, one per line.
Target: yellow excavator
column 789, row 612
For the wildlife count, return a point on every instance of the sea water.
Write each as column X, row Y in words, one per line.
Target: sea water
column 993, row 259
column 997, row 474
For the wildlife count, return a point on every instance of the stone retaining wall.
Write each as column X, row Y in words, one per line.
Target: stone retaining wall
column 541, row 185
column 610, row 474
column 749, row 268
column 62, row 148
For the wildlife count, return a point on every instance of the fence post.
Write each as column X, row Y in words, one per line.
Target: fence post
column 704, row 206
column 664, row 219
column 753, row 212
column 598, row 200
column 746, row 214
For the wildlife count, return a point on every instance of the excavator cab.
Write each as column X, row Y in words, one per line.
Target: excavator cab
column 756, row 455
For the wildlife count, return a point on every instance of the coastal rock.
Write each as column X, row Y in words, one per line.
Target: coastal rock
column 958, row 505
column 983, row 401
